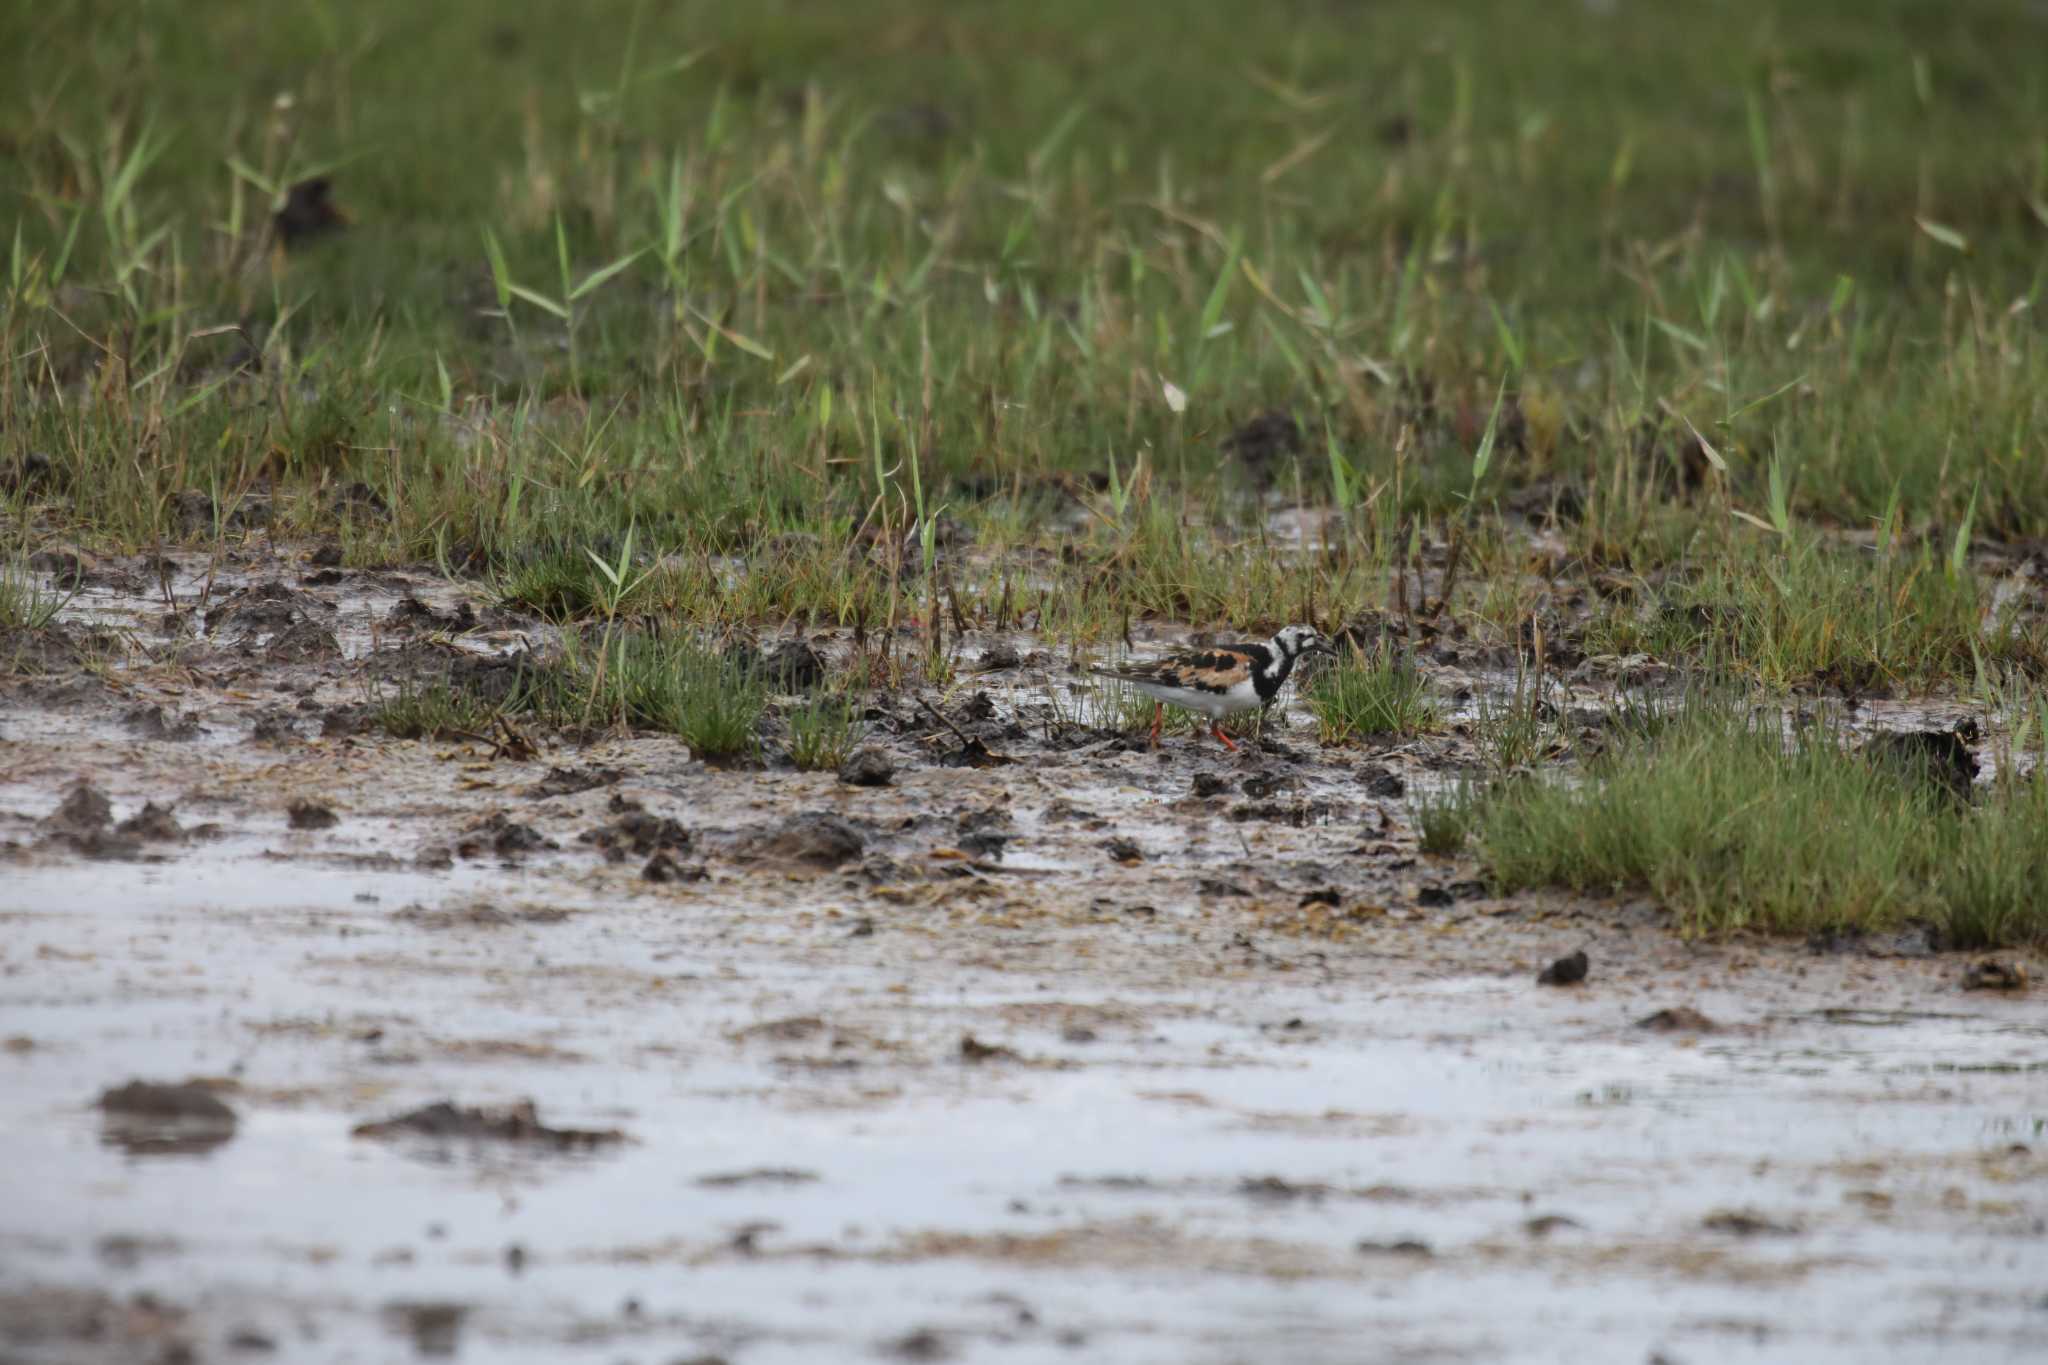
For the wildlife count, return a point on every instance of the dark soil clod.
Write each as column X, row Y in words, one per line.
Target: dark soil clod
column 1566, row 971
column 150, row 1118
column 1746, row 1223
column 307, row 814
column 974, row 1051
column 1677, row 1019
column 867, row 768
column 512, row 1123
column 816, row 838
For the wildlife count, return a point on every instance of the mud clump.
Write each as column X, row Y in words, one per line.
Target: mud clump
column 867, row 768
column 975, row 1052
column 764, row 1175
column 518, row 1122
column 1566, row 971
column 275, row 622
column 814, row 839
column 150, row 1118
column 434, row 1328
column 634, row 832
column 498, row 833
column 83, row 823
column 1677, row 1019
column 662, row 869
column 1746, row 1223
column 573, row 781
column 409, row 613
column 309, row 814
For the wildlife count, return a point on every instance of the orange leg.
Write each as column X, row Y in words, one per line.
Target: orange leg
column 1216, row 729
column 1158, row 716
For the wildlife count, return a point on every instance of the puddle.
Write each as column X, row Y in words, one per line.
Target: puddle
column 1051, row 1061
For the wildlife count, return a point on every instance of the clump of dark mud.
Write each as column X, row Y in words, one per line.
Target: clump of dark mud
column 815, row 839
column 309, row 814
column 152, row 722
column 1677, row 1019
column 83, row 823
column 634, row 832
column 1566, row 971
column 150, row 1118
column 275, row 622
column 498, row 833
column 518, row 1122
column 867, row 768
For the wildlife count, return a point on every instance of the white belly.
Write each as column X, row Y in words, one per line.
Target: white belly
column 1215, row 705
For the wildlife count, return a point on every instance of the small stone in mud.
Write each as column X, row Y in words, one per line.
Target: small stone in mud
column 973, row 1050
column 1275, row 1188
column 867, row 768
column 1546, row 1223
column 435, row 1328
column 923, row 1344
column 816, row 838
column 84, row 809
column 1328, row 895
column 309, row 814
column 251, row 1342
column 1125, row 851
column 1745, row 1223
column 638, row 833
column 864, row 927
column 1263, row 785
column 1433, row 897
column 150, row 1118
column 571, row 781
column 151, row 824
column 1677, row 1019
column 1566, row 971
column 513, row 1123
column 1993, row 975
column 997, row 658
column 663, row 869
column 1408, row 1248
column 497, row 833
column 1210, row 784
column 1382, row 783
column 1216, row 886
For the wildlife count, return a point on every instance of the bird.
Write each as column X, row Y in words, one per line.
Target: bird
column 1221, row 679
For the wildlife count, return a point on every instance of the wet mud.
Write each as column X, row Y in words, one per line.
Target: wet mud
column 1014, row 1040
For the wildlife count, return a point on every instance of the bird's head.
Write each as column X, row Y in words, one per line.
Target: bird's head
column 1294, row 641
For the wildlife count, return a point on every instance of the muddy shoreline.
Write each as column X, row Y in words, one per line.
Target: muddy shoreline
column 1095, row 1053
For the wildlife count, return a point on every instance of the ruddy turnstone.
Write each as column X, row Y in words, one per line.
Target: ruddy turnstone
column 1221, row 679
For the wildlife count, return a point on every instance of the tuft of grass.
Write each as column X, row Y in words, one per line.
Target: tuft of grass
column 1378, row 694
column 650, row 682
column 437, row 711
column 25, row 604
column 1445, row 820
column 1733, row 825
column 822, row 733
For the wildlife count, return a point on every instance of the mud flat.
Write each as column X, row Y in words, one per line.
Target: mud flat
column 604, row 1053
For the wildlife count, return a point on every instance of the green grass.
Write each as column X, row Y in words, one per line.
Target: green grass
column 1378, row 694
column 822, row 733
column 436, row 711
column 25, row 604
column 1734, row 826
